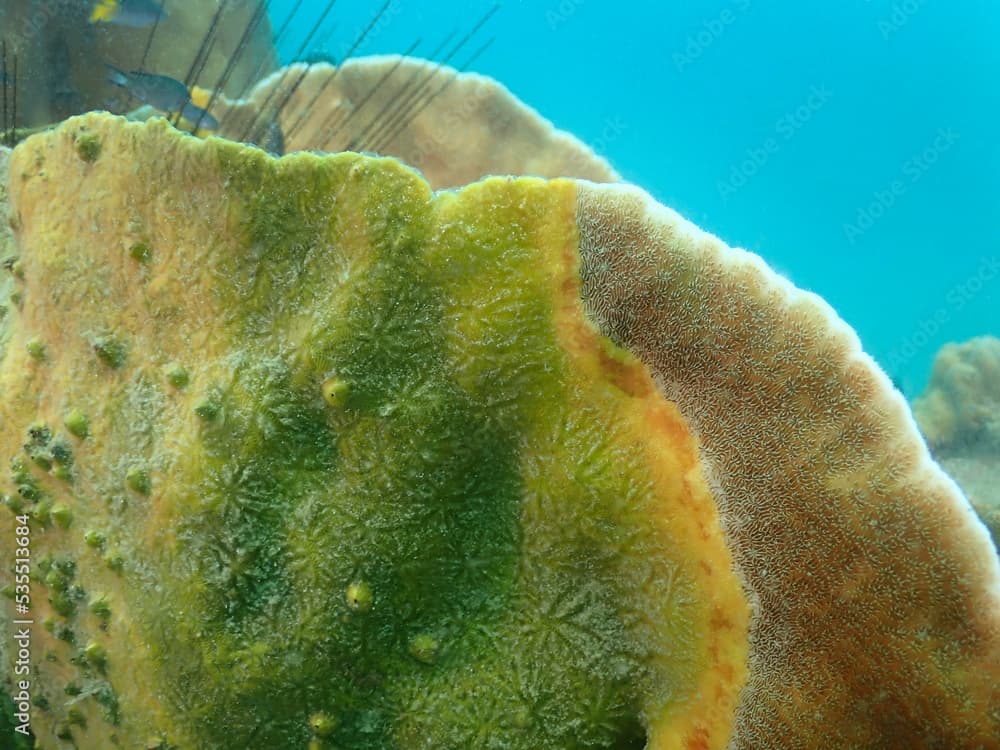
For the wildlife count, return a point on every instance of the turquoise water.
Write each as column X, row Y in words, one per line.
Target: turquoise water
column 855, row 148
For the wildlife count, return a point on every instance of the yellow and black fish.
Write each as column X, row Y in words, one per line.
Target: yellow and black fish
column 135, row 14
column 165, row 94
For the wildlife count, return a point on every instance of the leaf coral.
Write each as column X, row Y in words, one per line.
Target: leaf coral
column 407, row 496
column 959, row 413
column 405, row 487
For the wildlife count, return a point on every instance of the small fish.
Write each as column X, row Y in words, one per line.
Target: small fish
column 162, row 92
column 165, row 94
column 134, row 14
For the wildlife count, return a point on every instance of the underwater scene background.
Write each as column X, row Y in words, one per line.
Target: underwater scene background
column 854, row 146
column 340, row 451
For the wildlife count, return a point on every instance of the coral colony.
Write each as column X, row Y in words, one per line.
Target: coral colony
column 370, row 450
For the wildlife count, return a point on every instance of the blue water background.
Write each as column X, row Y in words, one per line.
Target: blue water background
column 855, row 146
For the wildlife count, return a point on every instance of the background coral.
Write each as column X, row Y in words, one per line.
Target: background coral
column 959, row 413
column 454, row 127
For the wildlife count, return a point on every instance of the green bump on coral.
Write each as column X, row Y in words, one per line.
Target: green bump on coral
column 39, row 433
column 77, row 423
column 208, row 409
column 42, row 512
column 62, row 604
column 62, row 452
column 111, row 352
column 100, row 608
column 138, row 480
column 74, row 715
column 29, row 490
column 360, row 596
column 63, row 631
column 88, row 146
column 114, row 561
column 19, row 473
column 107, row 699
column 94, row 539
column 96, row 655
column 178, row 376
column 322, row 725
column 56, row 580
column 335, row 391
column 36, row 349
column 62, row 515
column 14, row 503
column 424, row 648
column 42, row 461
column 141, row 252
